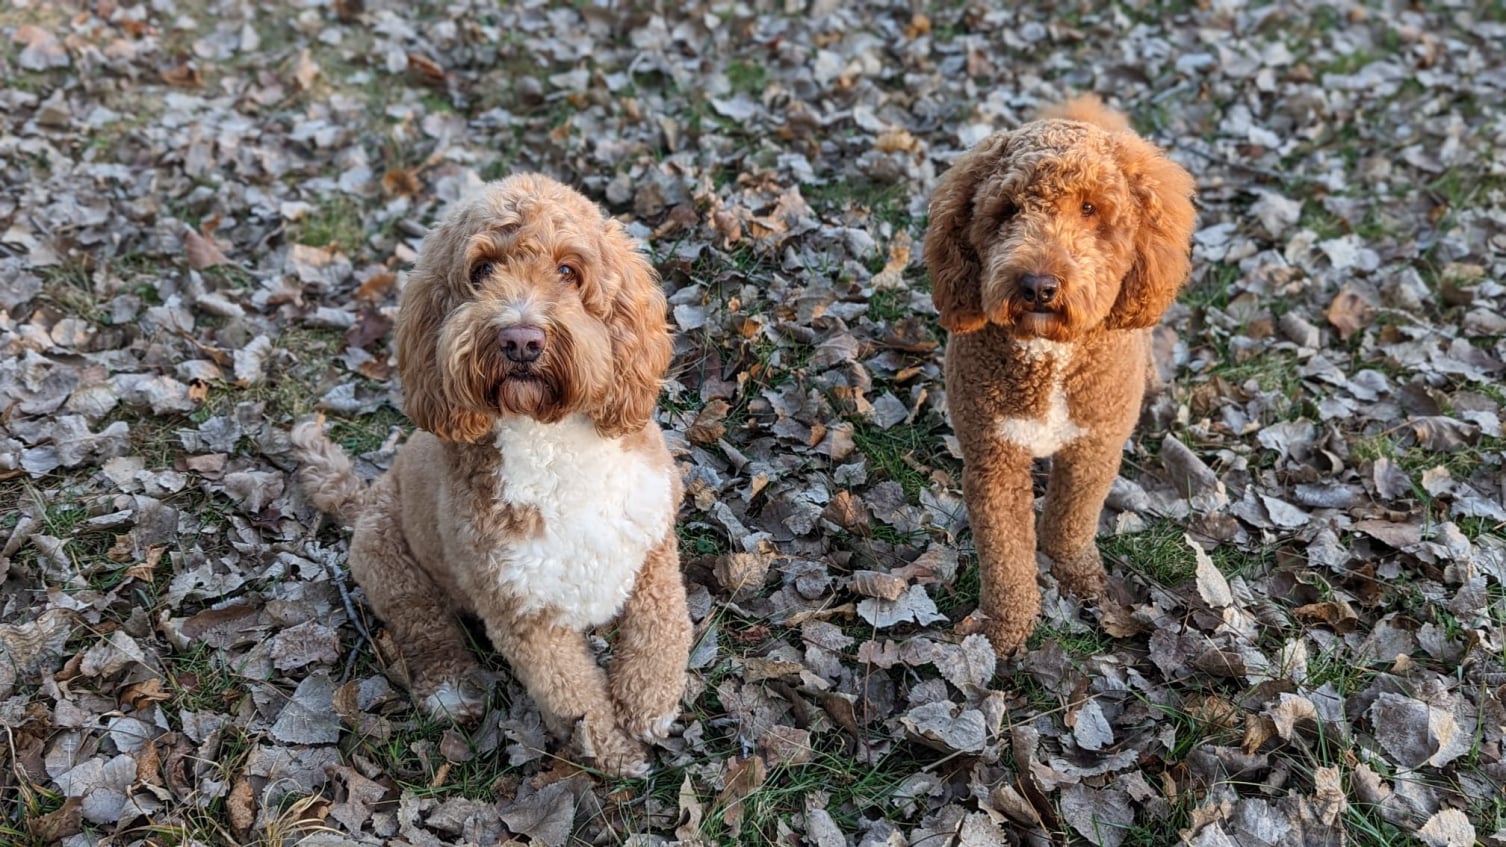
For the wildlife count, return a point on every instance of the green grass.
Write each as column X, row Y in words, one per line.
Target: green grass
column 746, row 76
column 889, row 305
column 1160, row 553
column 366, row 433
column 203, row 680
column 864, row 201
column 474, row 778
column 335, row 222
column 699, row 539
column 905, row 453
column 961, row 596
column 1084, row 643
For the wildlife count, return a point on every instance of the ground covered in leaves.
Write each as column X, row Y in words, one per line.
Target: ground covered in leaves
column 206, row 210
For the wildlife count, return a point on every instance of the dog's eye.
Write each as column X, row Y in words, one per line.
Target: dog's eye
column 480, row 271
column 1088, row 210
column 1009, row 211
column 568, row 274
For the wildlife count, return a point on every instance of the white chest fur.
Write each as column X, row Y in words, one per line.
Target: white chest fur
column 1054, row 429
column 603, row 509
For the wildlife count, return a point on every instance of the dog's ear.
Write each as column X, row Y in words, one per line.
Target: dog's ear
column 641, row 344
column 1163, row 192
column 950, row 256
column 419, row 321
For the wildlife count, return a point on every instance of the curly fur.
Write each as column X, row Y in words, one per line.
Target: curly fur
column 538, row 495
column 1077, row 197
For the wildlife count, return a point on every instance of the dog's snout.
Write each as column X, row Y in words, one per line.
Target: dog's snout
column 522, row 344
column 1039, row 289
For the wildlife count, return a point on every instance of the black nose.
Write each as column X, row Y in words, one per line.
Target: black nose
column 1039, row 289
column 521, row 344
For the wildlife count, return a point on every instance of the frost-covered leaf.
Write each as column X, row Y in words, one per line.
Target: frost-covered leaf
column 1100, row 816
column 1092, row 729
column 547, row 815
column 1211, row 584
column 946, row 727
column 309, row 715
column 1448, row 828
column 915, row 605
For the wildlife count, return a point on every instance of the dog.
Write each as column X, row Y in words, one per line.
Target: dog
column 1052, row 250
column 538, row 494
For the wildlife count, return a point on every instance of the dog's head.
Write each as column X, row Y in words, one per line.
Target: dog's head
column 525, row 300
column 1066, row 224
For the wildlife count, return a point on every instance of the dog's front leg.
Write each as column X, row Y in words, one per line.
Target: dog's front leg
column 556, row 665
column 653, row 647
column 1081, row 475
column 1000, row 502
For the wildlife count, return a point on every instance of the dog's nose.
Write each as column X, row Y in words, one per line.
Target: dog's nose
column 521, row 344
column 1039, row 289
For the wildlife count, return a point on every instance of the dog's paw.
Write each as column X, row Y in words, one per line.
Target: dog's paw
column 1080, row 574
column 614, row 751
column 1005, row 635
column 460, row 701
column 649, row 728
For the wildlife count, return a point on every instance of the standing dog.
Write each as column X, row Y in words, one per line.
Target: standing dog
column 539, row 494
column 1052, row 249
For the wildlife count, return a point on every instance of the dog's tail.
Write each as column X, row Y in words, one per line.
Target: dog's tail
column 1088, row 109
column 326, row 473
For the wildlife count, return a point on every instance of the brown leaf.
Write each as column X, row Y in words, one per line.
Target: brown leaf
column 402, row 182
column 710, row 423
column 306, row 71
column 739, row 572
column 881, row 585
column 202, row 252
column 848, row 511
column 897, row 140
column 370, row 327
column 1258, row 730
column 183, row 75
column 1336, row 613
column 425, row 70
column 1349, row 313
column 741, row 778
column 376, row 286
column 62, row 822
column 142, row 694
column 240, row 807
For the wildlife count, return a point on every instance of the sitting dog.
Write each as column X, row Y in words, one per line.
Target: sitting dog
column 538, row 494
column 1052, row 249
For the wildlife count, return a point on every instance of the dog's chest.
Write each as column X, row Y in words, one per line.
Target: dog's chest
column 602, row 509
column 1047, row 426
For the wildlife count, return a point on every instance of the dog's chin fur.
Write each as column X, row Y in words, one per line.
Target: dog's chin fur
column 534, row 395
column 1048, row 325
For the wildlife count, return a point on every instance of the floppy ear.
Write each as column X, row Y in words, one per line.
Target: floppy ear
column 641, row 344
column 950, row 256
column 419, row 322
column 1163, row 191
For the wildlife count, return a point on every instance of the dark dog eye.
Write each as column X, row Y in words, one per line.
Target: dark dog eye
column 1088, row 210
column 1009, row 211
column 568, row 275
column 480, row 271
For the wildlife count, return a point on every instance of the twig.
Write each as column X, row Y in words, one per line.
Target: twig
column 337, row 575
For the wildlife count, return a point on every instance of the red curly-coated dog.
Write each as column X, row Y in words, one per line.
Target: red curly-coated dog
column 1052, row 249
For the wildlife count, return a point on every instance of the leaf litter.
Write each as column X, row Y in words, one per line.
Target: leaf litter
column 208, row 214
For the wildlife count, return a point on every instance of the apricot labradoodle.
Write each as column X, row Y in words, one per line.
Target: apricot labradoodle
column 538, row 494
column 1052, row 250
